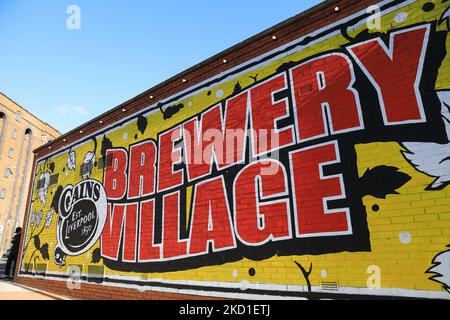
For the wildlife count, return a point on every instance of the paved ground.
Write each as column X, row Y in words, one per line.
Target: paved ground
column 12, row 291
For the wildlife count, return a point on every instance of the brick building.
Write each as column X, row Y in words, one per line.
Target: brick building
column 324, row 147
column 20, row 133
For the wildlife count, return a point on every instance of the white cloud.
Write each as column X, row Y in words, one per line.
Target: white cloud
column 71, row 110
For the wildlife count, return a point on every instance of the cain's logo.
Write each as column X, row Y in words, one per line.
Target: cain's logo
column 82, row 217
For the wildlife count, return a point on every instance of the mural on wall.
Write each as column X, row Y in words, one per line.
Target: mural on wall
column 292, row 173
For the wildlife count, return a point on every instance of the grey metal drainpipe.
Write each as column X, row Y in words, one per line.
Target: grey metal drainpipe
column 24, row 184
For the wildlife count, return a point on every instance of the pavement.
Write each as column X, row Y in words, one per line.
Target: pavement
column 9, row 290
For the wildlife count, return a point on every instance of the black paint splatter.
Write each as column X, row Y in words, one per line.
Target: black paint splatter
column 172, row 110
column 106, row 144
column 381, row 181
column 142, row 123
column 286, row 66
column 135, row 136
column 375, row 208
column 428, row 6
column 52, row 167
column 252, row 272
column 209, row 93
column 96, row 256
column 237, row 88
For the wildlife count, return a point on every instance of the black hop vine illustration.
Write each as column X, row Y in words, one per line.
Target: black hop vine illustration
column 55, row 201
column 96, row 256
column 44, row 251
column 38, row 248
column 305, row 274
column 255, row 77
column 142, row 123
column 382, row 181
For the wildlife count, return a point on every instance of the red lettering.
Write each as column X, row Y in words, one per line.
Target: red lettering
column 213, row 136
column 396, row 72
column 115, row 177
column 258, row 216
column 210, row 218
column 147, row 250
column 312, row 191
column 168, row 157
column 142, row 169
column 112, row 232
column 323, row 96
column 265, row 114
column 172, row 246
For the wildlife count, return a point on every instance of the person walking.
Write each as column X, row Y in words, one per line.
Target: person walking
column 12, row 257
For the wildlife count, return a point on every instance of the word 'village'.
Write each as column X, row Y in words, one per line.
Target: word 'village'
column 285, row 192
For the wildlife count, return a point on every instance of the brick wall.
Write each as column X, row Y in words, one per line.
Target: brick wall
column 323, row 146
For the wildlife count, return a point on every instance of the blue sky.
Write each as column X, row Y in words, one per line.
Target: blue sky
column 66, row 77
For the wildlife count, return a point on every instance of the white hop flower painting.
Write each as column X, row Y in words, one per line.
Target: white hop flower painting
column 38, row 218
column 49, row 218
column 88, row 164
column 33, row 218
column 71, row 161
column 44, row 182
column 441, row 269
column 433, row 159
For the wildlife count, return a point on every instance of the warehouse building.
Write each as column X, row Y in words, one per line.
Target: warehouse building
column 20, row 133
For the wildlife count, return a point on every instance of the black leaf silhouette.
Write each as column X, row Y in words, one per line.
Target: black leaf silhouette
column 381, row 181
column 55, row 201
column 44, row 251
column 142, row 123
column 96, row 256
column 52, row 167
column 237, row 88
column 170, row 111
column 37, row 242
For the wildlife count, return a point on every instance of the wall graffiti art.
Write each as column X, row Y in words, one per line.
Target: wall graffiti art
column 306, row 166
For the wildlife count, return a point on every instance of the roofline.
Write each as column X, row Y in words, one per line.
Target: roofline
column 28, row 111
column 291, row 20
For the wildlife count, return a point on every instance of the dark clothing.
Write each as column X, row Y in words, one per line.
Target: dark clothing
column 12, row 257
column 11, row 261
column 15, row 244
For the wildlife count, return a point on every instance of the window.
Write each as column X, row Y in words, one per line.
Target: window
column 10, row 153
column 7, row 172
column 2, row 194
column 44, row 138
column 14, row 135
